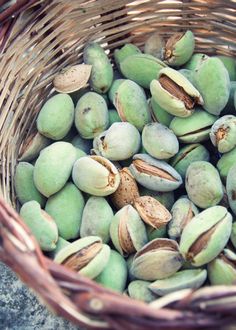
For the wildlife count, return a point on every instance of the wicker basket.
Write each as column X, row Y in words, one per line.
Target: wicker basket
column 38, row 38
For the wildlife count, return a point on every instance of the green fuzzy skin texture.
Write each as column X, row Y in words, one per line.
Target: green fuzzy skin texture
column 185, row 128
column 233, row 234
column 203, row 184
column 159, row 114
column 214, row 216
column 187, row 155
column 130, row 100
column 102, row 72
column 180, row 211
column 156, row 264
column 61, row 243
column 189, row 74
column 139, row 290
column 184, row 279
column 124, row 52
column 114, row 88
column 121, row 141
column 53, row 167
column 44, row 230
column 231, row 188
column 113, row 117
column 135, row 227
column 56, row 117
column 230, row 65
column 159, row 141
column 96, row 218
column 97, row 264
column 155, row 182
column 38, row 143
column 66, row 208
column 221, row 273
column 141, row 68
column 195, row 61
column 165, row 198
column 24, row 184
column 182, row 50
column 91, row 115
column 82, row 144
column 225, row 163
column 212, row 81
column 114, row 276
column 92, row 177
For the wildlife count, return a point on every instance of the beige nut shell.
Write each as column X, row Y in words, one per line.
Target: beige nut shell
column 127, row 191
column 152, row 211
column 72, row 78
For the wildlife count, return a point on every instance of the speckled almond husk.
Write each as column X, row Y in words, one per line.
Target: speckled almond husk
column 152, row 211
column 127, row 191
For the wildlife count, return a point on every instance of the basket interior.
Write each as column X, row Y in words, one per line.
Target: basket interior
column 52, row 34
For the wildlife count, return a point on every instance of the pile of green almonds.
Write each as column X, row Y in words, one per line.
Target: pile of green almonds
column 130, row 178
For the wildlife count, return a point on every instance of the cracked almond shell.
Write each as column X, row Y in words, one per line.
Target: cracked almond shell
column 88, row 256
column 127, row 191
column 72, row 78
column 175, row 93
column 154, row 174
column 152, row 211
column 158, row 259
column 95, row 175
column 179, row 48
column 206, row 235
column 127, row 231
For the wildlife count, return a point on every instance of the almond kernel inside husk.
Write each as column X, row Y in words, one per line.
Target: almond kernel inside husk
column 80, row 259
column 124, row 236
column 171, row 43
column 143, row 167
column 201, row 243
column 158, row 244
column 152, row 211
column 177, row 91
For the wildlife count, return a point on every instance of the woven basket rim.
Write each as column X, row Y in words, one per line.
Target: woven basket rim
column 26, row 82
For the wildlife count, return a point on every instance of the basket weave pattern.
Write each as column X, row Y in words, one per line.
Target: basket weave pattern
column 41, row 38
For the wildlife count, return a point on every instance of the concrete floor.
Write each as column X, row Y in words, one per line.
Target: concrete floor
column 20, row 310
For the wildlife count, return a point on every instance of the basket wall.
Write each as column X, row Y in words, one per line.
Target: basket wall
column 34, row 45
